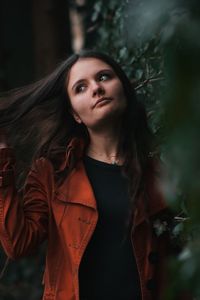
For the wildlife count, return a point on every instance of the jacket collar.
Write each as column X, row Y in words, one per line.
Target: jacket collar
column 75, row 145
column 76, row 188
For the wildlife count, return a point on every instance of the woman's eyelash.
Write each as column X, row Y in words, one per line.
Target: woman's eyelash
column 107, row 75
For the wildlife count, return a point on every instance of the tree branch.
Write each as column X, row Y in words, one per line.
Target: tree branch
column 148, row 80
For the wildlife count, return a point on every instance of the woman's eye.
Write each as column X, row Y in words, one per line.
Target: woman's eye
column 104, row 77
column 80, row 88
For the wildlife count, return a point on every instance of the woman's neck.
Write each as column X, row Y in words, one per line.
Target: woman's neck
column 104, row 146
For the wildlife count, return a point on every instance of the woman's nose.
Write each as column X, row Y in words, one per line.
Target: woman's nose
column 97, row 89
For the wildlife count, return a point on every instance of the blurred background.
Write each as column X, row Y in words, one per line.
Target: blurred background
column 157, row 43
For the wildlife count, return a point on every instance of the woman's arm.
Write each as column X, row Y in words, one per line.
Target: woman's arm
column 23, row 216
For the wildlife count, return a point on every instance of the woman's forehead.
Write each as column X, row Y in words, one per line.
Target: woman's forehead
column 89, row 62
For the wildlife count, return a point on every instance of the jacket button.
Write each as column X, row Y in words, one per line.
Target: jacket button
column 151, row 284
column 153, row 257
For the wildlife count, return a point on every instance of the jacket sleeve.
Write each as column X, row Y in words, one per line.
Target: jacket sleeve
column 23, row 216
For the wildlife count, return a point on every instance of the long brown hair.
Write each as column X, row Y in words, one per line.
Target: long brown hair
column 38, row 122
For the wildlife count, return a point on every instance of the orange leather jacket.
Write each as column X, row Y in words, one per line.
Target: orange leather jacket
column 67, row 215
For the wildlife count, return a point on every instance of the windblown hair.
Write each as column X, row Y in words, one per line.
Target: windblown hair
column 38, row 121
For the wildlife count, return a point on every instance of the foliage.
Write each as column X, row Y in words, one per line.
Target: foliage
column 157, row 43
column 22, row 279
column 142, row 61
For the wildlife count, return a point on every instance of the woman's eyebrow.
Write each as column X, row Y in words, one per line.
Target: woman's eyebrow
column 96, row 75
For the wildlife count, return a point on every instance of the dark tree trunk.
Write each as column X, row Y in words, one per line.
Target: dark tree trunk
column 16, row 56
column 51, row 33
column 34, row 37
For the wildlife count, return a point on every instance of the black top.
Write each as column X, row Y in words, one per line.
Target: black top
column 108, row 269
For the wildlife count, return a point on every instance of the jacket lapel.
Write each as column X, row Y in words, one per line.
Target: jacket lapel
column 76, row 188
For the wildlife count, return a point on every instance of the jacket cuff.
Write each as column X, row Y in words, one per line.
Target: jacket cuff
column 6, row 158
column 6, row 178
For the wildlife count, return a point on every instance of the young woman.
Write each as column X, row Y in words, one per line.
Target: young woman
column 93, row 186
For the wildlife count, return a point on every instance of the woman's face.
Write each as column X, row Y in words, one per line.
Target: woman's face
column 96, row 93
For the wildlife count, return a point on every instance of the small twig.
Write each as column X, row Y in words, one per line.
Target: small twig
column 92, row 28
column 148, row 80
column 181, row 219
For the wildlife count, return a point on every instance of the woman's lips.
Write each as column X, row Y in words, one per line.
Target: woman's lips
column 102, row 101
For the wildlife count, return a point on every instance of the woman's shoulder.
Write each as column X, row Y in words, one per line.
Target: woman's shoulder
column 156, row 166
column 51, row 159
column 155, row 185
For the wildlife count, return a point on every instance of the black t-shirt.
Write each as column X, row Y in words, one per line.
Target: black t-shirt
column 108, row 270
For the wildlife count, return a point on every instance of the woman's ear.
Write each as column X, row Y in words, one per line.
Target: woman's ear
column 75, row 116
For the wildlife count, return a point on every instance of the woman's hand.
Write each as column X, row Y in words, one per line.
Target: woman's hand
column 3, row 139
